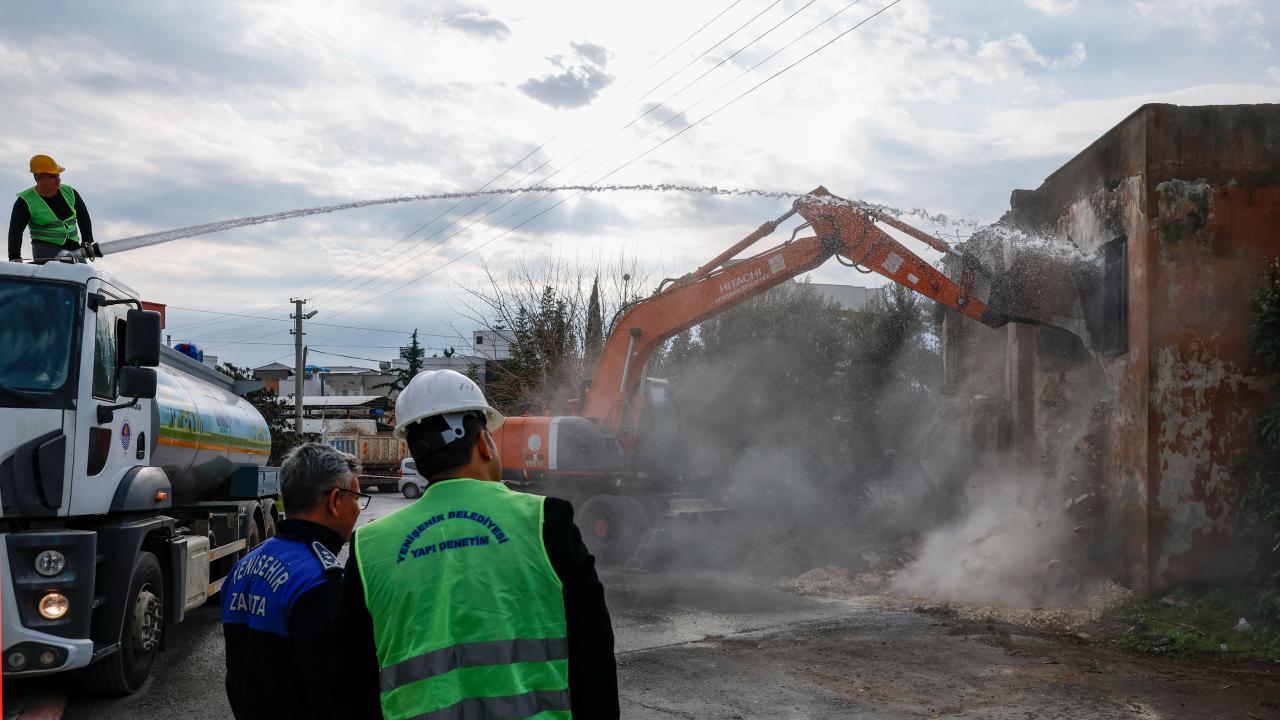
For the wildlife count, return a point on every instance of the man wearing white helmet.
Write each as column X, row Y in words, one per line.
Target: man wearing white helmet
column 475, row 601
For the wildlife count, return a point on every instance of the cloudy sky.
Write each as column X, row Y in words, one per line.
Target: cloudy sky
column 169, row 114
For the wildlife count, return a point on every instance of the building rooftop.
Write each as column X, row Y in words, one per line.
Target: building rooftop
column 341, row 401
column 850, row 298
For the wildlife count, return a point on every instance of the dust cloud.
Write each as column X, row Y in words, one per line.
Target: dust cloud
column 844, row 460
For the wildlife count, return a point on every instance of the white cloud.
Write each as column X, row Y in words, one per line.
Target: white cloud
column 1211, row 20
column 479, row 25
column 578, row 81
column 1053, row 7
column 1273, row 73
column 1066, row 128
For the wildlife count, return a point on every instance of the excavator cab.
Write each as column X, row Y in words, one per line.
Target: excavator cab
column 658, row 449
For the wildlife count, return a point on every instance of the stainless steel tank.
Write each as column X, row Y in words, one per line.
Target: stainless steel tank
column 203, row 434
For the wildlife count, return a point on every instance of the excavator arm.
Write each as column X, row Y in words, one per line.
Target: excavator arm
column 841, row 228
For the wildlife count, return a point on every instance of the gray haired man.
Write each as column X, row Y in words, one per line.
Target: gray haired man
column 279, row 602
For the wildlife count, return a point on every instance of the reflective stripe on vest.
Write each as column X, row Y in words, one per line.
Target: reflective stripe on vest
column 496, row 652
column 536, row 704
column 45, row 226
column 468, row 614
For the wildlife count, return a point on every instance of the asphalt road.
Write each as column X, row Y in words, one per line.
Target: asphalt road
column 703, row 644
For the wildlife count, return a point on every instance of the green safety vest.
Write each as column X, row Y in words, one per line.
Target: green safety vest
column 45, row 226
column 468, row 614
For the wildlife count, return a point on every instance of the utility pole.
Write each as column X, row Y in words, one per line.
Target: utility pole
column 298, row 359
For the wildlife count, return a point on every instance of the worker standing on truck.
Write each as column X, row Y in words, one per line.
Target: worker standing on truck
column 55, row 213
column 279, row 603
column 475, row 601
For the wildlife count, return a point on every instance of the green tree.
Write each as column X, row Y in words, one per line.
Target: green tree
column 414, row 355
column 235, row 372
column 1262, row 496
column 554, row 323
column 593, row 338
column 544, row 360
column 891, row 361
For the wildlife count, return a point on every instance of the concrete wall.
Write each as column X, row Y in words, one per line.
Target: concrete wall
column 1155, row 434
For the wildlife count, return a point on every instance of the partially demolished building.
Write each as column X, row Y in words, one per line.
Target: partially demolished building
column 1145, row 412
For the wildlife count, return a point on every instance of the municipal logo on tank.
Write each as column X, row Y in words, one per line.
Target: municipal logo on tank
column 125, row 436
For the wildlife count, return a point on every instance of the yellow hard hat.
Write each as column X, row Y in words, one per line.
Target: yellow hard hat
column 46, row 164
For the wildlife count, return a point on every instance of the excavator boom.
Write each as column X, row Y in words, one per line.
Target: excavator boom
column 841, row 228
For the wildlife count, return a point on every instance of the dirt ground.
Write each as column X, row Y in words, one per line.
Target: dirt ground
column 863, row 662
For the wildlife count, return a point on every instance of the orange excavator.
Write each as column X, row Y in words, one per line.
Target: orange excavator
column 618, row 459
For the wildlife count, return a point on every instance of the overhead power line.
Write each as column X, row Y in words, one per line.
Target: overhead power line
column 707, row 52
column 579, row 156
column 683, row 130
column 312, row 322
column 681, row 44
column 535, row 201
column 753, row 88
column 216, row 343
column 726, row 9
column 402, row 240
column 366, row 272
column 349, row 357
column 724, row 60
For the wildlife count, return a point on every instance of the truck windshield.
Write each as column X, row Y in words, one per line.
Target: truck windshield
column 37, row 323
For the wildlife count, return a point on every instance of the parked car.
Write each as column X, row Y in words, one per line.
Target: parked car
column 411, row 482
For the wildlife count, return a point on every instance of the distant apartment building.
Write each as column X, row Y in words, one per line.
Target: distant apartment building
column 491, row 344
column 473, row 366
column 328, row 380
column 850, row 298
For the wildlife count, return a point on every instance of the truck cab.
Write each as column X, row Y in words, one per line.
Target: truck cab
column 111, row 516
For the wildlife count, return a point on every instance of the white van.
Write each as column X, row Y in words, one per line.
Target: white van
column 411, row 482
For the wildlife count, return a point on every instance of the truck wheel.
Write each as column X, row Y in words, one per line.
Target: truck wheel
column 271, row 527
column 255, row 536
column 611, row 525
column 412, row 491
column 125, row 670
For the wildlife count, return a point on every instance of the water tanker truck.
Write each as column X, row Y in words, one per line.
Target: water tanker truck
column 129, row 478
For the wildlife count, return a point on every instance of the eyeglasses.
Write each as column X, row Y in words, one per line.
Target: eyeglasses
column 361, row 498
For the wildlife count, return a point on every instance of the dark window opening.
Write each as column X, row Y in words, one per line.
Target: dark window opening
column 1115, row 297
column 1103, row 285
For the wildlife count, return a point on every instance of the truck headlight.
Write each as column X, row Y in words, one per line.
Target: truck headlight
column 50, row 563
column 53, row 606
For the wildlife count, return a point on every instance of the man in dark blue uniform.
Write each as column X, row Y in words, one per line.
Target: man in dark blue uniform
column 279, row 602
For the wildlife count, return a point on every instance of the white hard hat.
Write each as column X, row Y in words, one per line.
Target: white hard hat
column 443, row 392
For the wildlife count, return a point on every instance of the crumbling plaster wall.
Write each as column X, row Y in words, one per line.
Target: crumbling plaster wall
column 1213, row 191
column 1213, row 242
